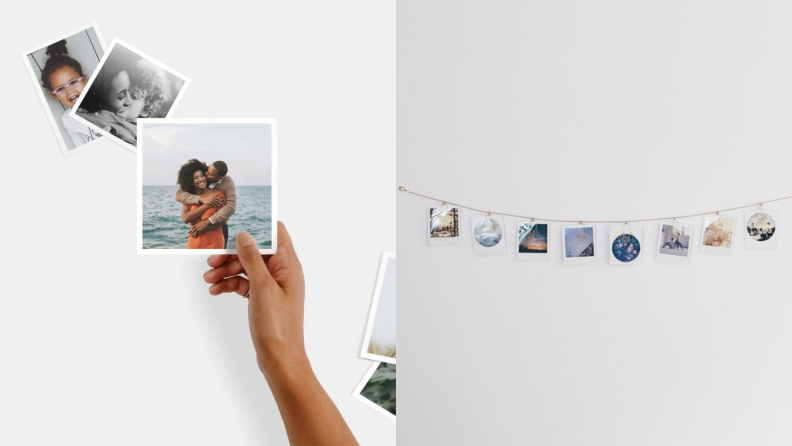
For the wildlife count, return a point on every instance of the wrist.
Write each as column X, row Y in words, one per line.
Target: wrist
column 290, row 362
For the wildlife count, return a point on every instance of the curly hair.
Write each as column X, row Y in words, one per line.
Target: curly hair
column 57, row 57
column 186, row 172
column 153, row 82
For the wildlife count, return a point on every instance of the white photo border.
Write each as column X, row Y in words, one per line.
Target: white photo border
column 386, row 256
column 531, row 256
column 636, row 231
column 714, row 250
column 274, row 159
column 668, row 258
column 356, row 393
column 578, row 261
column 43, row 99
column 108, row 51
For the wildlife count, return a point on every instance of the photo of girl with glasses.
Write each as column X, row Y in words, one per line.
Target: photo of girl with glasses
column 61, row 70
column 127, row 86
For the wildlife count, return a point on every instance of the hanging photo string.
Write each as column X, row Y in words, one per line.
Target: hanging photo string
column 626, row 235
column 582, row 236
column 561, row 220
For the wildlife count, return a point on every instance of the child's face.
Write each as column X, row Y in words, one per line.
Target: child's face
column 116, row 98
column 138, row 101
column 63, row 82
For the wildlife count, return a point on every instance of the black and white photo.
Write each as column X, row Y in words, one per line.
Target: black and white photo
column 128, row 85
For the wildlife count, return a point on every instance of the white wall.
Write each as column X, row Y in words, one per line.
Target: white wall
column 101, row 346
column 597, row 110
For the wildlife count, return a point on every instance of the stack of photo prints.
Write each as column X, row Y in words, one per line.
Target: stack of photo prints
column 200, row 181
column 625, row 243
column 377, row 389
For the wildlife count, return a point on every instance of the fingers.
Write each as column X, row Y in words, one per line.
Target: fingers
column 216, row 260
column 227, row 269
column 250, row 258
column 235, row 284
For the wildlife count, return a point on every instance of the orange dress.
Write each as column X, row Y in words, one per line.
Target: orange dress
column 207, row 240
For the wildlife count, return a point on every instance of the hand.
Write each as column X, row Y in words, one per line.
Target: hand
column 276, row 300
column 197, row 228
column 211, row 200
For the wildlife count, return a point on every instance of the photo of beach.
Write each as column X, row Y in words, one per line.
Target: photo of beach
column 201, row 183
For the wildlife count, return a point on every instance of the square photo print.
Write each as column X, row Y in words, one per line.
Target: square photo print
column 626, row 245
column 203, row 181
column 718, row 235
column 128, row 85
column 532, row 241
column 444, row 226
column 377, row 389
column 60, row 70
column 488, row 236
column 673, row 245
column 761, row 229
column 379, row 341
column 579, row 245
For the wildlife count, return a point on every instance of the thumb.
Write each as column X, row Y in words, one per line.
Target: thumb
column 250, row 258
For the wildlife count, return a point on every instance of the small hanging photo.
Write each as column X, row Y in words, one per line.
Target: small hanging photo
column 578, row 242
column 443, row 226
column 760, row 229
column 488, row 236
column 532, row 241
column 674, row 243
column 626, row 245
column 718, row 235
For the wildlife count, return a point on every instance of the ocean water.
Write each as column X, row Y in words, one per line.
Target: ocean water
column 163, row 227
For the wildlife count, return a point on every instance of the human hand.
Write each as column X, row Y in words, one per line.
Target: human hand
column 276, row 287
column 196, row 229
column 209, row 199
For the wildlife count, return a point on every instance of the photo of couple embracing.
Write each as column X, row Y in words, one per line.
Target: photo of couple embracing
column 224, row 172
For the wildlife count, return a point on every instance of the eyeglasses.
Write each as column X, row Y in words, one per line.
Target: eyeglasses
column 60, row 91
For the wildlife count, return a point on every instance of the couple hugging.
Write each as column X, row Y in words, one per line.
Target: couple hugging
column 208, row 199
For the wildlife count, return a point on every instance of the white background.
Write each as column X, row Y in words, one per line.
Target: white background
column 101, row 346
column 609, row 109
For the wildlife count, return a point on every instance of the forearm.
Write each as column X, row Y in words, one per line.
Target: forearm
column 194, row 214
column 308, row 413
column 187, row 198
column 212, row 227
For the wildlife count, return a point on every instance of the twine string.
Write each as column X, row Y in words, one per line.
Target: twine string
column 580, row 221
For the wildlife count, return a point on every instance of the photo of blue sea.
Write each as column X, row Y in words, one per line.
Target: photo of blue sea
column 243, row 149
column 163, row 227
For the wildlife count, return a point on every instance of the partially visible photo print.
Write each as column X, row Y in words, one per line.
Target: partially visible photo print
column 203, row 181
column 128, row 85
column 532, row 241
column 626, row 245
column 579, row 244
column 379, row 341
column 377, row 389
column 761, row 229
column 60, row 70
column 444, row 226
column 674, row 243
column 718, row 235
column 488, row 236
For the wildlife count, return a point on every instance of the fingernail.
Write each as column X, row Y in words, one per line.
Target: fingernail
column 244, row 239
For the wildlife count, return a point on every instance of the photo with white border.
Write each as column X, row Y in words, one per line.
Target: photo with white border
column 761, row 229
column 674, row 242
column 379, row 382
column 533, row 241
column 579, row 245
column 626, row 245
column 128, row 85
column 196, row 177
column 69, row 63
column 379, row 340
column 717, row 235
column 443, row 227
column 488, row 236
